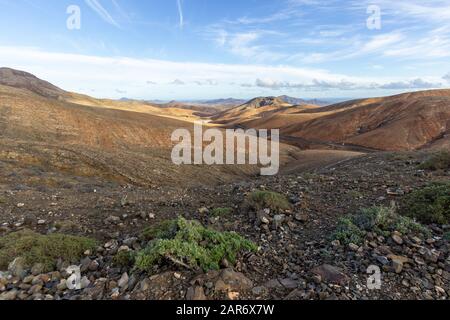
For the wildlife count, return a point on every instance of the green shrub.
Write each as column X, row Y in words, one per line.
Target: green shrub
column 438, row 161
column 165, row 230
column 447, row 236
column 266, row 199
column 45, row 249
column 382, row 220
column 347, row 232
column 194, row 246
column 220, row 212
column 124, row 259
column 430, row 204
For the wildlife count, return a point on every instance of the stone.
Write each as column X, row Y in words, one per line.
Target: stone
column 37, row 269
column 353, row 247
column 17, row 267
column 301, row 217
column 336, row 243
column 278, row 220
column 203, row 211
column 62, row 285
column 29, row 220
column 397, row 239
column 9, row 296
column 113, row 220
column 383, row 260
column 145, row 284
column 123, row 281
column 229, row 280
column 28, row 279
column 395, row 192
column 41, row 222
column 85, row 264
column 35, row 289
column 331, row 274
column 398, row 262
column 85, row 282
column 94, row 265
column 263, row 217
column 258, row 291
column 196, row 294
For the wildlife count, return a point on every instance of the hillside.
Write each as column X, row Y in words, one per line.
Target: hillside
column 23, row 80
column 403, row 122
column 258, row 109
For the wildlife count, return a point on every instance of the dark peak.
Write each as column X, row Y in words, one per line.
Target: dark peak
column 264, row 101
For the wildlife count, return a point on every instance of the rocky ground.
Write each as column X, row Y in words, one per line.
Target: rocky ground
column 297, row 259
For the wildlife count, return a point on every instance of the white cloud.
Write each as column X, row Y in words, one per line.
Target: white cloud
column 178, row 82
column 343, row 84
column 83, row 73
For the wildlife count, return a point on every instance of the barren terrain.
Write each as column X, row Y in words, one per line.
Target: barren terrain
column 75, row 165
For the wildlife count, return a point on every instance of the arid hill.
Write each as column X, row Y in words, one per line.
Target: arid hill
column 128, row 141
column 408, row 121
column 23, row 80
column 46, row 127
column 403, row 122
column 258, row 109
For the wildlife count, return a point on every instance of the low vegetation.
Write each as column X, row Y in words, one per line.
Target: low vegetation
column 447, row 236
column 438, row 161
column 44, row 249
column 124, row 259
column 381, row 220
column 266, row 199
column 430, row 204
column 165, row 230
column 189, row 244
column 221, row 212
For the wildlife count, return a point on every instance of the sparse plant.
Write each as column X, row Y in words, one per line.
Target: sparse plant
column 447, row 236
column 124, row 259
column 381, row 220
column 438, row 161
column 193, row 246
column 267, row 199
column 221, row 212
column 347, row 232
column 430, row 204
column 165, row 230
column 45, row 249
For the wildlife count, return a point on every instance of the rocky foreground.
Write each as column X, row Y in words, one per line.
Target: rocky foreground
column 297, row 256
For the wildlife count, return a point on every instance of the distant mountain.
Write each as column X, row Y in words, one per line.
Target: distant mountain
column 299, row 102
column 257, row 108
column 224, row 102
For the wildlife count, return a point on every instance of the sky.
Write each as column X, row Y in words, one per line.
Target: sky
column 209, row 49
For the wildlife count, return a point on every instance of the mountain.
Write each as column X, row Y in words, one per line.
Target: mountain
column 402, row 122
column 77, row 135
column 257, row 109
column 223, row 102
column 298, row 101
column 23, row 80
column 408, row 121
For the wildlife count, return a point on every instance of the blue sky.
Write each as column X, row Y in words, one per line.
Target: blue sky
column 195, row 49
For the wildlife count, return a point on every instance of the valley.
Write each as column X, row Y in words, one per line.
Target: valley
column 101, row 169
